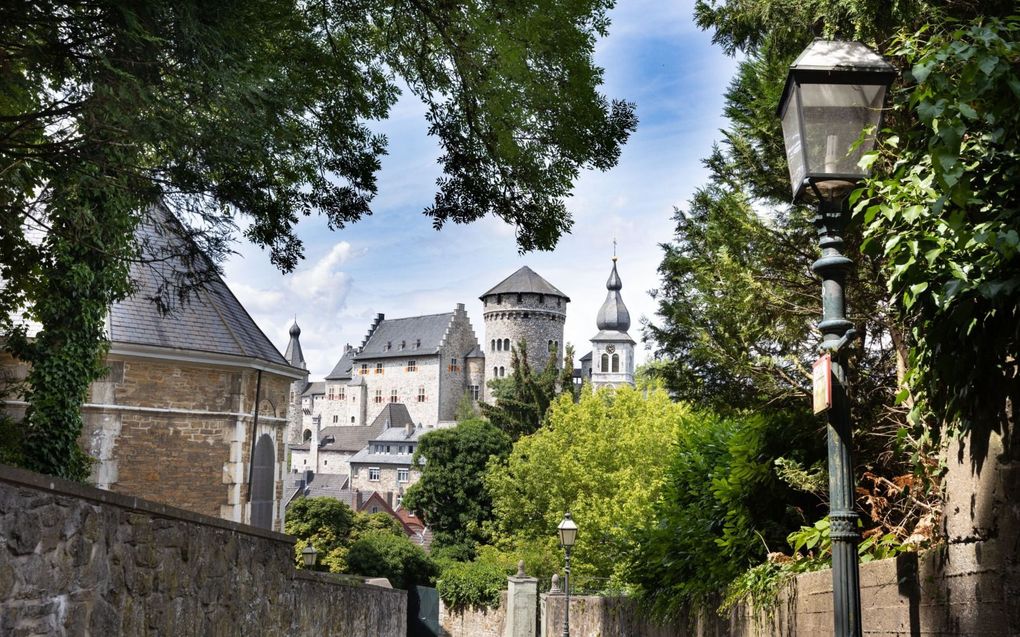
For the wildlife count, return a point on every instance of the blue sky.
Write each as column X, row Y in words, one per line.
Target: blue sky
column 395, row 263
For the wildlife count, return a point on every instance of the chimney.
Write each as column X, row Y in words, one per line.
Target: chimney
column 460, row 308
column 408, row 429
column 357, row 499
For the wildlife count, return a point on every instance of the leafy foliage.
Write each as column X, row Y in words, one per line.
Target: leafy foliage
column 260, row 110
column 599, row 458
column 450, row 496
column 324, row 523
column 721, row 507
column 474, row 584
column 523, row 399
column 943, row 215
column 395, row 557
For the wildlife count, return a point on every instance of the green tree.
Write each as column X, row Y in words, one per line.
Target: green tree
column 260, row 110
column 600, row 458
column 383, row 554
column 723, row 506
column 450, row 496
column 324, row 523
column 522, row 400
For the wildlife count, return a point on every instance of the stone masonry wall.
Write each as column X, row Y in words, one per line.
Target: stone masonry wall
column 528, row 321
column 75, row 560
column 473, row 622
column 460, row 339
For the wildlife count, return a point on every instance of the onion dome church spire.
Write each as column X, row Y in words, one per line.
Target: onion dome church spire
column 294, row 355
column 613, row 348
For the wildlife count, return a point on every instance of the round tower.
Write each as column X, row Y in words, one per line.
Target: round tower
column 526, row 308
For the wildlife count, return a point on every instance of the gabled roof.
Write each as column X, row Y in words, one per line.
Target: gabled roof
column 214, row 321
column 420, row 336
column 525, row 281
column 392, row 415
column 586, row 357
column 342, row 369
column 476, row 352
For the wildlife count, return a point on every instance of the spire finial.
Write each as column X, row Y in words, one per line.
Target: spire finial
column 614, row 249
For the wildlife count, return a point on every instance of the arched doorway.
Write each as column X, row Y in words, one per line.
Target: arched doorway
column 263, row 483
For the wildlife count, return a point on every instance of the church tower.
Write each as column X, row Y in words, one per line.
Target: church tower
column 296, row 358
column 612, row 362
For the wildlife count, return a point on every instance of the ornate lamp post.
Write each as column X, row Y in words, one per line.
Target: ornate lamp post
column 834, row 93
column 308, row 556
column 568, row 534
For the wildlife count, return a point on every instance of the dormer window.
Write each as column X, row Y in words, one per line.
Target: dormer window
column 389, row 345
column 541, row 299
column 403, row 344
column 417, row 343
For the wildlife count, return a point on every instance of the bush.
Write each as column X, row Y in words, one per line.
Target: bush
column 11, row 440
column 326, row 524
column 723, row 506
column 472, row 584
column 383, row 554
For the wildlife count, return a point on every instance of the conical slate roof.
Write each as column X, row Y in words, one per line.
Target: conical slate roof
column 213, row 321
column 525, row 281
column 613, row 316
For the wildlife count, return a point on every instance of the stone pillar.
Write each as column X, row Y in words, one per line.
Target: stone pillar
column 521, row 605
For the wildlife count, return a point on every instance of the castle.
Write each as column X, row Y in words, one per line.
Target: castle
column 410, row 374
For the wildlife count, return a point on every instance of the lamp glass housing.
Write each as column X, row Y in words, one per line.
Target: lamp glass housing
column 308, row 554
column 834, row 93
column 568, row 531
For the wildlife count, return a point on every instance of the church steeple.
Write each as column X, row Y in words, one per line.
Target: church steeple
column 613, row 315
column 294, row 355
column 612, row 348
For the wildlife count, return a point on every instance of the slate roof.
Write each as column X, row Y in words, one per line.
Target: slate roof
column 366, row 457
column 213, row 321
column 332, row 485
column 429, row 330
column 342, row 369
column 523, row 281
column 294, row 355
column 347, row 438
column 315, row 388
column 393, row 415
column 475, row 353
column 586, row 357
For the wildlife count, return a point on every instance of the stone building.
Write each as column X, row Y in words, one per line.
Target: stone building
column 523, row 308
column 611, row 361
column 384, row 465
column 193, row 411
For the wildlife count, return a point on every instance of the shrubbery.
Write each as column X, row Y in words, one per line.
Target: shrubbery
column 384, row 554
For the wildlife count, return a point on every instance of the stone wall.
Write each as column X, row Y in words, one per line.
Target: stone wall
column 75, row 560
column 473, row 622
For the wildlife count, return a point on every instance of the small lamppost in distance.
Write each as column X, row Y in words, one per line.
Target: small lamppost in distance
column 568, row 534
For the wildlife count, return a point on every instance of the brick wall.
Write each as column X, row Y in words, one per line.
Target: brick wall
column 78, row 560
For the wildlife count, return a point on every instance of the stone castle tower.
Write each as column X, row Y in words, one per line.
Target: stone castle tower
column 612, row 362
column 523, row 307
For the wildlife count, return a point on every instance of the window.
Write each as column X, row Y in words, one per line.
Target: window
column 330, row 393
column 378, row 368
column 364, row 369
column 402, row 475
column 473, row 392
column 373, row 474
column 325, row 462
column 499, row 299
column 499, row 345
column 616, row 362
column 552, row 348
column 541, row 299
column 400, row 449
column 502, row 372
column 412, row 366
column 403, row 344
column 307, row 435
column 520, row 298
column 352, row 420
column 495, row 372
column 417, row 343
column 375, row 509
column 492, row 345
column 336, row 419
column 393, row 395
column 389, row 346
column 604, row 367
column 387, row 449
column 506, row 344
column 421, row 393
column 341, row 393
column 378, row 396
column 454, row 367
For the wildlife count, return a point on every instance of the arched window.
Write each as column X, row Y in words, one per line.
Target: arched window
column 520, row 298
column 499, row 345
column 492, row 345
column 495, row 372
column 616, row 362
column 604, row 367
column 308, row 435
column 506, row 344
column 551, row 347
column 502, row 372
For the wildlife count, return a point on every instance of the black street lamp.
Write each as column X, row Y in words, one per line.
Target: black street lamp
column 568, row 534
column 831, row 109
